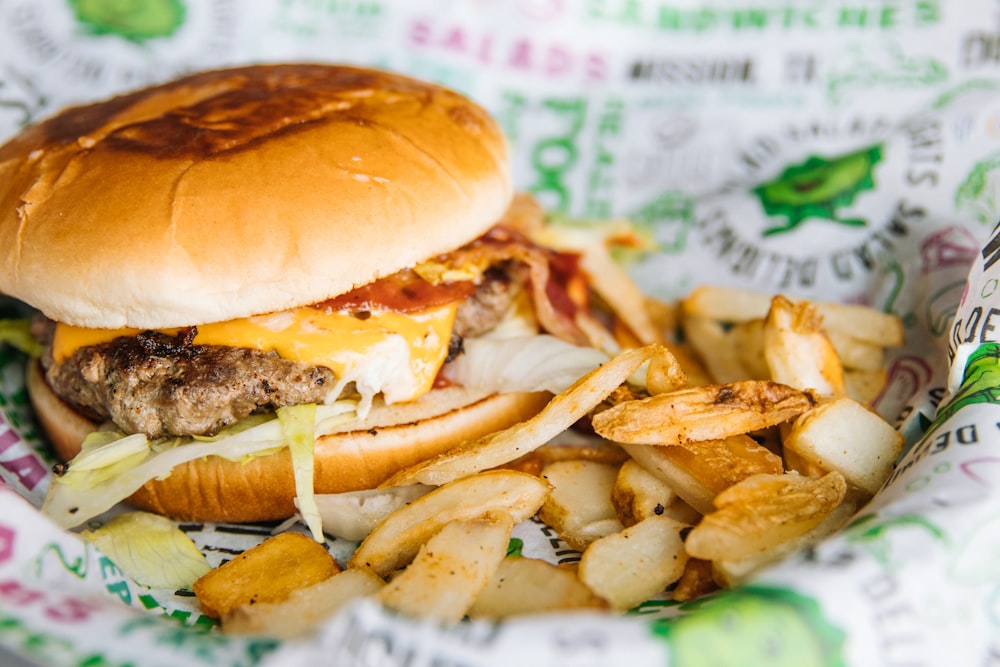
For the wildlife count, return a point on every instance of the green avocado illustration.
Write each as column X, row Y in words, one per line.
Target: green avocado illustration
column 817, row 188
column 750, row 626
column 134, row 20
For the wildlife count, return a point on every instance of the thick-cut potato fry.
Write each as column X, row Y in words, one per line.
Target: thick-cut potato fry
column 502, row 447
column 579, row 507
column 532, row 586
column 619, row 291
column 395, row 540
column 747, row 341
column 268, row 572
column 304, row 609
column 664, row 373
column 638, row 494
column 845, row 436
column 699, row 471
column 862, row 322
column 763, row 511
column 865, row 386
column 731, row 304
column 720, row 357
column 631, row 566
column 797, row 351
column 697, row 580
column 737, row 571
column 600, row 451
column 702, row 413
column 451, row 569
column 855, row 353
column 726, row 304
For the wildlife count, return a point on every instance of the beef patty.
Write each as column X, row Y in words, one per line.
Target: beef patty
column 163, row 385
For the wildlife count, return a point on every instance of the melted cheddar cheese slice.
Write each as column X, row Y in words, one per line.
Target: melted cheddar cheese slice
column 397, row 354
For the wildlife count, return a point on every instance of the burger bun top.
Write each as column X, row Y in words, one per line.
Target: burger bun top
column 238, row 192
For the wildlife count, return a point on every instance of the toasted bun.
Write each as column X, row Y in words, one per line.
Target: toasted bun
column 250, row 190
column 388, row 440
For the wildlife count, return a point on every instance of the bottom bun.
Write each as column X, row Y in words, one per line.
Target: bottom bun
column 391, row 438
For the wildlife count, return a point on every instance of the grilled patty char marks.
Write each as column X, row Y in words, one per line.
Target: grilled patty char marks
column 164, row 385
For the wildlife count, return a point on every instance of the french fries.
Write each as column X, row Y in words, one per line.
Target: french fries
column 532, row 586
column 762, row 511
column 713, row 412
column 845, row 436
column 633, row 565
column 718, row 466
column 638, row 494
column 579, row 506
column 268, row 572
column 304, row 609
column 450, row 569
column 396, row 540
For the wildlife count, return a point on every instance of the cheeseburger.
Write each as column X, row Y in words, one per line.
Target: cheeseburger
column 251, row 285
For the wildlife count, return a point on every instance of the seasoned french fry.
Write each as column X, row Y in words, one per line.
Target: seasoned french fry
column 702, row 413
column 747, row 341
column 579, row 507
column 726, row 304
column 304, row 609
column 762, row 512
column 502, row 447
column 664, row 373
column 451, row 569
column 599, row 451
column 631, row 566
column 697, row 580
column 699, row 471
column 865, row 386
column 798, row 353
column 733, row 572
column 619, row 291
column 638, row 494
column 399, row 536
column 532, row 586
column 862, row 322
column 268, row 572
column 720, row 357
column 847, row 437
column 855, row 353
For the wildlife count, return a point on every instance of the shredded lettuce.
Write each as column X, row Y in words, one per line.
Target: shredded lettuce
column 150, row 549
column 298, row 423
column 523, row 363
column 72, row 502
column 18, row 334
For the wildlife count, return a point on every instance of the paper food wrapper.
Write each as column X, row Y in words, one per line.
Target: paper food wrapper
column 843, row 150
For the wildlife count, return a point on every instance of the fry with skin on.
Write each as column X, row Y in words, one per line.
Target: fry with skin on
column 579, row 507
column 713, row 412
column 504, row 446
column 451, row 569
column 304, row 609
column 797, row 351
column 699, row 471
column 532, row 586
column 638, row 494
column 268, row 572
column 398, row 537
column 845, row 436
column 631, row 566
column 763, row 511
